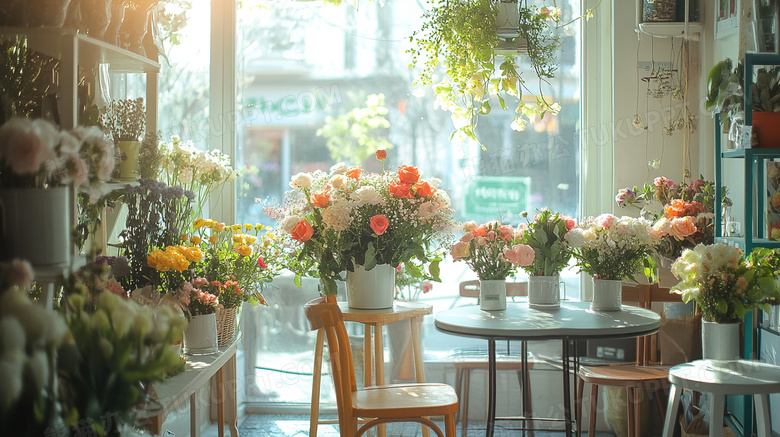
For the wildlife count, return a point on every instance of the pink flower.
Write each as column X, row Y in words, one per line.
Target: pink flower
column 460, row 250
column 481, row 241
column 507, row 233
column 468, row 236
column 570, row 223
column 200, row 281
column 606, row 220
column 115, row 287
column 25, row 145
column 519, row 254
column 682, row 227
column 77, row 169
column 469, row 226
column 624, row 195
column 426, row 287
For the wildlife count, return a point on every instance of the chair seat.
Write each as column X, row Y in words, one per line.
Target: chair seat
column 624, row 376
column 402, row 400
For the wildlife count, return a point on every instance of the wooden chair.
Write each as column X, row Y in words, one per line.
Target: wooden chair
column 465, row 363
column 377, row 404
column 634, row 378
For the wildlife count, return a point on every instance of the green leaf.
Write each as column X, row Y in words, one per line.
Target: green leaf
column 433, row 269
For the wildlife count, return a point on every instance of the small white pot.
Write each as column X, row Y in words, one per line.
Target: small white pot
column 371, row 289
column 492, row 294
column 544, row 292
column 607, row 295
column 200, row 335
column 719, row 341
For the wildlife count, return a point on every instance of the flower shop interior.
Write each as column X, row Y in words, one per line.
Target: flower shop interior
column 542, row 190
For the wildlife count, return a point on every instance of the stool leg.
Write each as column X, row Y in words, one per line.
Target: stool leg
column 671, row 410
column 578, row 411
column 763, row 426
column 464, row 420
column 594, row 400
column 630, row 412
column 716, row 414
column 459, row 391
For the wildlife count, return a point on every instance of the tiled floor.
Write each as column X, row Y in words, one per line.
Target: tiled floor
column 265, row 425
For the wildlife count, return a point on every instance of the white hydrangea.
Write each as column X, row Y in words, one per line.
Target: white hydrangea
column 289, row 223
column 338, row 216
column 300, row 181
column 367, row 195
column 338, row 181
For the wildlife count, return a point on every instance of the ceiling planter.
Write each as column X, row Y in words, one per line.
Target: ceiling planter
column 507, row 19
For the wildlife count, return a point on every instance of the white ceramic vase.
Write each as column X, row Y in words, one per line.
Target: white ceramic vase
column 606, row 295
column 371, row 289
column 35, row 224
column 544, row 292
column 200, row 335
column 492, row 294
column 128, row 166
column 719, row 341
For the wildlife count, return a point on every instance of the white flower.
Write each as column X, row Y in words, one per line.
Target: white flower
column 339, row 168
column 576, row 237
column 442, row 198
column 12, row 337
column 39, row 367
column 338, row 181
column 289, row 223
column 367, row 195
column 338, row 215
column 11, row 387
column 301, row 180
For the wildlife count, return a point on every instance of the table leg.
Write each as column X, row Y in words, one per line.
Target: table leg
column 671, row 410
column 194, row 413
column 419, row 368
column 368, row 356
column 491, row 416
column 763, row 426
column 221, row 401
column 232, row 396
column 716, row 414
column 379, row 352
column 316, row 379
column 566, row 388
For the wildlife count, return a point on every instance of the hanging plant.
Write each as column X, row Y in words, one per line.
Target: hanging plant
column 460, row 35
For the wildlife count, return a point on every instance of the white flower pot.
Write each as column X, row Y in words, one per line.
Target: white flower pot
column 607, row 295
column 544, row 292
column 200, row 336
column 719, row 341
column 508, row 19
column 35, row 224
column 492, row 294
column 128, row 166
column 371, row 289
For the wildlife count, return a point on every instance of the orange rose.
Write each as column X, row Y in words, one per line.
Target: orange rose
column 480, row 231
column 682, row 227
column 379, row 224
column 354, row 172
column 302, row 231
column 675, row 208
column 320, row 198
column 400, row 190
column 381, row 154
column 408, row 174
column 424, row 189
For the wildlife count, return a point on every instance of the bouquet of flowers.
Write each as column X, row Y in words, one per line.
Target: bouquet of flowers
column 334, row 221
column 408, row 287
column 546, row 236
column 613, row 248
column 198, row 301
column 171, row 264
column 195, row 170
column 492, row 250
column 237, row 260
column 682, row 214
column 724, row 285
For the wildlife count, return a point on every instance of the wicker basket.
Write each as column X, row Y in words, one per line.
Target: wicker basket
column 227, row 326
column 659, row 10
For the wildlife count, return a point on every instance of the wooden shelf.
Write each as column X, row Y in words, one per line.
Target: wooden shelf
column 675, row 29
column 54, row 42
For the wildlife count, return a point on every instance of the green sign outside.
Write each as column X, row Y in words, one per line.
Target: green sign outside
column 489, row 195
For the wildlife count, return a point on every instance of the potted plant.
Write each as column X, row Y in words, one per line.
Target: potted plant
column 346, row 220
column 612, row 249
column 725, row 286
column 546, row 235
column 465, row 37
column 126, row 122
column 493, row 252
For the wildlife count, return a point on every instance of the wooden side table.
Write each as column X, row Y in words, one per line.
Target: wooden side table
column 191, row 386
column 376, row 319
column 721, row 378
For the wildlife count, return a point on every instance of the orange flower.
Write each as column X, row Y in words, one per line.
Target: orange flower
column 676, row 208
column 320, row 198
column 302, row 231
column 400, row 190
column 408, row 174
column 244, row 250
column 424, row 189
column 379, row 224
column 480, row 231
column 381, row 154
column 354, row 172
column 682, row 227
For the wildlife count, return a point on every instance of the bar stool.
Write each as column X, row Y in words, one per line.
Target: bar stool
column 721, row 378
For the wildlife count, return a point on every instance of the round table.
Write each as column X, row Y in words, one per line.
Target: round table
column 571, row 322
column 721, row 378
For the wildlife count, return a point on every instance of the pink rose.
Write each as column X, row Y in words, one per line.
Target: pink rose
column 25, row 145
column 469, row 226
column 507, row 233
column 481, row 241
column 468, row 236
column 460, row 250
column 519, row 254
column 682, row 227
column 570, row 223
column 606, row 220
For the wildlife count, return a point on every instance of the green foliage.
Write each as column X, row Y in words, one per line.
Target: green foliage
column 546, row 235
column 125, row 119
column 357, row 134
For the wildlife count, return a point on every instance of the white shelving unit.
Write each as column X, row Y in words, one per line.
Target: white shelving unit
column 691, row 30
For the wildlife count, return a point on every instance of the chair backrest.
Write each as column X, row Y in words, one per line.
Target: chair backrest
column 471, row 288
column 644, row 295
column 324, row 313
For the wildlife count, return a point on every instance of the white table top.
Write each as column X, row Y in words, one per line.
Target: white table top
column 740, row 377
column 573, row 320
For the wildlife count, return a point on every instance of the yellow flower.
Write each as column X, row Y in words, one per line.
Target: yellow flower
column 249, row 239
column 271, row 236
column 195, row 239
column 266, row 243
column 213, row 239
column 248, row 227
column 244, row 250
column 236, row 228
column 210, row 223
column 184, row 237
column 219, row 227
column 239, row 239
column 259, row 227
column 199, row 223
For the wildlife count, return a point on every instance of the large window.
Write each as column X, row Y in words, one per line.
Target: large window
column 302, row 64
